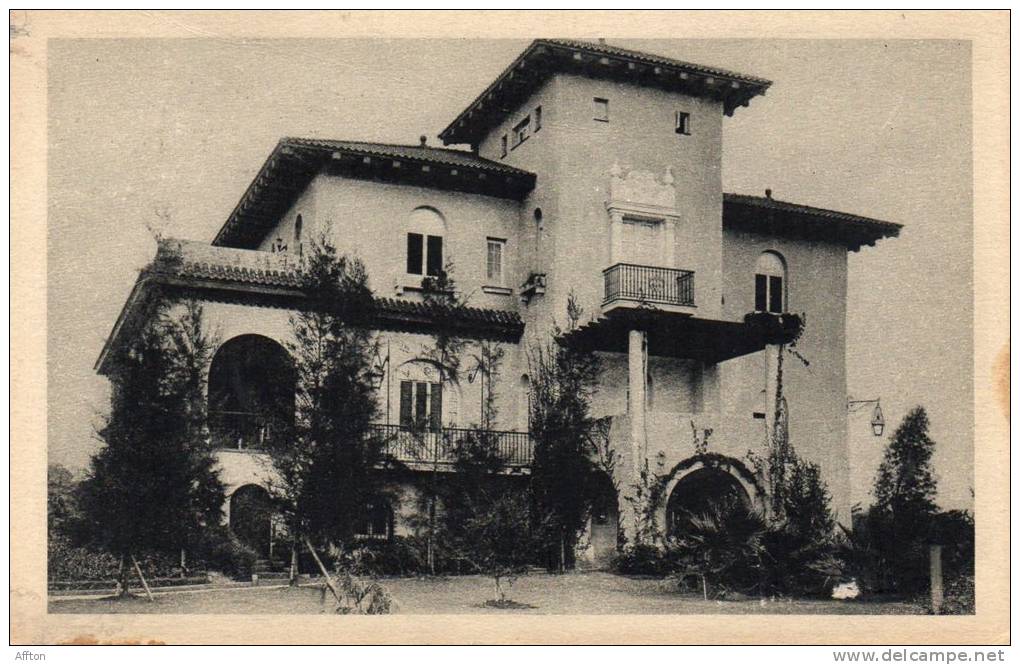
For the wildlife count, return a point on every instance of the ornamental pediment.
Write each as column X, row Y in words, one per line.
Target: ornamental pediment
column 641, row 188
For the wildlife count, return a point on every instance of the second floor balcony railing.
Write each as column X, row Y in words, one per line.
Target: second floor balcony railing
column 241, row 430
column 428, row 446
column 661, row 286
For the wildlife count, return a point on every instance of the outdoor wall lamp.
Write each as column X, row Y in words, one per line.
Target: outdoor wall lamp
column 877, row 421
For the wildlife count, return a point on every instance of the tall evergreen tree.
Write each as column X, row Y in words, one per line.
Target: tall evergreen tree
column 905, row 485
column 564, row 474
column 901, row 520
column 153, row 486
column 329, row 467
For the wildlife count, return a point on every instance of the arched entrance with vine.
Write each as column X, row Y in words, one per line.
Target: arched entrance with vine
column 699, row 483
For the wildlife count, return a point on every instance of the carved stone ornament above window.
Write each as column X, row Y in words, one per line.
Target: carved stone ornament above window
column 641, row 188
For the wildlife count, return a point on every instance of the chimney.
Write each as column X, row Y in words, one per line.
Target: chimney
column 768, row 193
column 423, row 140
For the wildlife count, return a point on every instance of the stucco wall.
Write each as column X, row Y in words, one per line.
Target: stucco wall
column 816, row 394
column 573, row 155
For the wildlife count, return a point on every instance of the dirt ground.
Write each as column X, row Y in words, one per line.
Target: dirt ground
column 574, row 593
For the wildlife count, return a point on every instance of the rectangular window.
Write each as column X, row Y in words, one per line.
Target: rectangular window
column 538, row 118
column 434, row 261
column 494, row 262
column 683, row 122
column 414, row 253
column 768, row 294
column 521, row 131
column 502, row 146
column 600, row 109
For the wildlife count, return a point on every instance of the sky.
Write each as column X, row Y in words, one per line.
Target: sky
column 168, row 133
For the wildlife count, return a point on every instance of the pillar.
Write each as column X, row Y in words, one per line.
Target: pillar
column 772, row 352
column 616, row 237
column 636, row 376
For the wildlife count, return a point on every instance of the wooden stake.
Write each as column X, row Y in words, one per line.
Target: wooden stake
column 935, row 555
column 325, row 573
column 145, row 584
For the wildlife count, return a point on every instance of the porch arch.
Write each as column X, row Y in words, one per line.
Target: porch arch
column 252, row 383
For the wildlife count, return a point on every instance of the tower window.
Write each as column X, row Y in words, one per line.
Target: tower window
column 600, row 110
column 502, row 146
column 538, row 118
column 521, row 132
column 683, row 123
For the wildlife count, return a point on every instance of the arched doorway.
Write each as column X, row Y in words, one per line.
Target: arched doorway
column 251, row 517
column 251, row 392
column 698, row 492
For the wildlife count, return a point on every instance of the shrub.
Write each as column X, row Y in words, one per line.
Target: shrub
column 400, row 555
column 69, row 563
column 66, row 563
column 221, row 550
column 642, row 559
column 722, row 548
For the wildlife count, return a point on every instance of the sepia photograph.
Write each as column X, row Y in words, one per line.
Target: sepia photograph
column 508, row 327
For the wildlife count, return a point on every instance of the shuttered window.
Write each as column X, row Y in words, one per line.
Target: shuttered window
column 421, row 403
column 414, row 253
column 434, row 261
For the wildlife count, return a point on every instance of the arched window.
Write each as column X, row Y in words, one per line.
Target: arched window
column 298, row 223
column 426, row 228
column 770, row 283
column 524, row 408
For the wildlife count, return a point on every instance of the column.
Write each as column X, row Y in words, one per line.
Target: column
column 616, row 237
column 772, row 352
column 636, row 350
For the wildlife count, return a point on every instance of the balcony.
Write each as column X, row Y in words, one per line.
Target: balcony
column 628, row 284
column 241, row 430
column 424, row 447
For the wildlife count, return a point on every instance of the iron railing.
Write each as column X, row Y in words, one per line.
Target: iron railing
column 241, row 430
column 664, row 286
column 424, row 445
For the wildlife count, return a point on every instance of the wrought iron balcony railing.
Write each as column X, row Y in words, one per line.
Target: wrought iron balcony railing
column 241, row 430
column 662, row 286
column 415, row 445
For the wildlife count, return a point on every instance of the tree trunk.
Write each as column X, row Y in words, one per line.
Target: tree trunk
column 430, row 547
column 184, row 563
column 704, row 587
column 122, row 577
column 563, row 550
column 292, row 578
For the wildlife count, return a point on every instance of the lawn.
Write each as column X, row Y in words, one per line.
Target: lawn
column 574, row 593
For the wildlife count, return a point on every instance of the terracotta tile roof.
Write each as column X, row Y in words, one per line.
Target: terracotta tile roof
column 545, row 57
column 651, row 58
column 496, row 317
column 764, row 214
column 234, row 275
column 416, row 153
column 294, row 162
